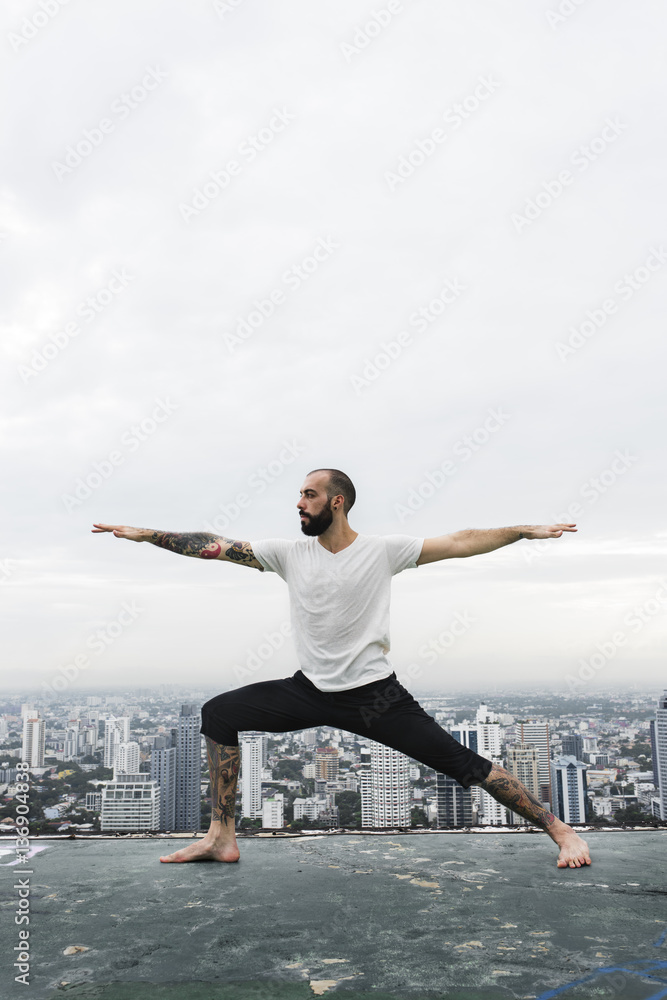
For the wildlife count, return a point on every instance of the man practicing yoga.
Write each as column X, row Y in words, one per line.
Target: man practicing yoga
column 339, row 584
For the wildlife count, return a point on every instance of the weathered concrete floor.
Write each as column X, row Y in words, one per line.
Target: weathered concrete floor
column 397, row 916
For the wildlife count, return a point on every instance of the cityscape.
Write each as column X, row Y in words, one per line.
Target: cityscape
column 109, row 764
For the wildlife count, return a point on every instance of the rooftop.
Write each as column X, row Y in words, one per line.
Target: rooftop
column 444, row 915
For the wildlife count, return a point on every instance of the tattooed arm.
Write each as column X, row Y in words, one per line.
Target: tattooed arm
column 200, row 544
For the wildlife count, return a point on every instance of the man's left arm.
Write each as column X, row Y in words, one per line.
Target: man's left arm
column 475, row 541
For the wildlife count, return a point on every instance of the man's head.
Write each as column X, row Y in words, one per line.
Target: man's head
column 326, row 494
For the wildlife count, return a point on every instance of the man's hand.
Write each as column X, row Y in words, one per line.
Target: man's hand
column 122, row 531
column 540, row 531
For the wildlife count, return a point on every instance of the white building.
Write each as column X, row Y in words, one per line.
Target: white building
column 310, row 808
column 489, row 744
column 251, row 774
column 115, row 731
column 127, row 758
column 272, row 811
column 569, row 789
column 661, row 752
column 34, row 735
column 130, row 802
column 385, row 788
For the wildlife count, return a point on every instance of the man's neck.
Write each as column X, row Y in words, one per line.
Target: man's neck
column 337, row 537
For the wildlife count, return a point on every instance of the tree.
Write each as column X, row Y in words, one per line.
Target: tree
column 418, row 817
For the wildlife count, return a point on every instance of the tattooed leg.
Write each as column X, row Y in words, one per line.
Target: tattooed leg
column 219, row 844
column 508, row 790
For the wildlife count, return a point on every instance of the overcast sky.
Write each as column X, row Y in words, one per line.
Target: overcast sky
column 424, row 242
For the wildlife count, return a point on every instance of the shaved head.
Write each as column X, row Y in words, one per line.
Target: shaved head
column 339, row 483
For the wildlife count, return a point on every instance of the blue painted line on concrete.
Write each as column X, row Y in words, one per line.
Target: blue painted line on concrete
column 550, row 994
column 661, row 939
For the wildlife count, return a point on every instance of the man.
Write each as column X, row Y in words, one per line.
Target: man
column 339, row 584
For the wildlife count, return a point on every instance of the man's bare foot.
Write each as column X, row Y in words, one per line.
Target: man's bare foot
column 573, row 851
column 205, row 850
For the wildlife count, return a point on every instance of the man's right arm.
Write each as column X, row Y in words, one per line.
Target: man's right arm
column 199, row 544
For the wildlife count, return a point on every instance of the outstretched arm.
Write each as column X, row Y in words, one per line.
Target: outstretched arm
column 475, row 541
column 200, row 544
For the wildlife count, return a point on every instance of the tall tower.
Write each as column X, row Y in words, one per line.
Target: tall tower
column 388, row 790
column 127, row 759
column 568, row 777
column 188, row 769
column 489, row 745
column 251, row 774
column 115, row 731
column 573, row 746
column 163, row 772
column 34, row 734
column 661, row 752
column 455, row 803
column 537, row 734
column 523, row 763
column 326, row 763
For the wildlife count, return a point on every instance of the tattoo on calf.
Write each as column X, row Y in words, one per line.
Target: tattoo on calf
column 508, row 790
column 224, row 764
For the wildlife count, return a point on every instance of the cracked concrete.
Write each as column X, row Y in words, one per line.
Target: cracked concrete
column 443, row 915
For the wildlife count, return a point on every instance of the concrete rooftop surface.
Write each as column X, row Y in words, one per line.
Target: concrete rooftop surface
column 446, row 915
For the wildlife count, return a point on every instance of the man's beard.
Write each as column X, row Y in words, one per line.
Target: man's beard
column 317, row 524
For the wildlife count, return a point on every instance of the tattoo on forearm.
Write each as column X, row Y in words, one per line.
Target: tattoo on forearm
column 203, row 545
column 223, row 766
column 505, row 788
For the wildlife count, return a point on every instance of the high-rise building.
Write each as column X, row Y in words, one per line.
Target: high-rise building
column 130, row 802
column 188, row 769
column 654, row 754
column 466, row 735
column 523, row 763
column 116, row 730
column 661, row 752
column 326, row 763
column 454, row 802
column 71, row 746
column 251, row 774
column 537, row 734
column 573, row 745
column 127, row 758
column 387, row 790
column 569, row 787
column 489, row 744
column 93, row 801
column 272, row 811
column 163, row 771
column 34, row 737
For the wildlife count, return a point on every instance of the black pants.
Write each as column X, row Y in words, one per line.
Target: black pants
column 383, row 711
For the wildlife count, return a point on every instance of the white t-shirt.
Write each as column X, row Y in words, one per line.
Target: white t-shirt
column 340, row 603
